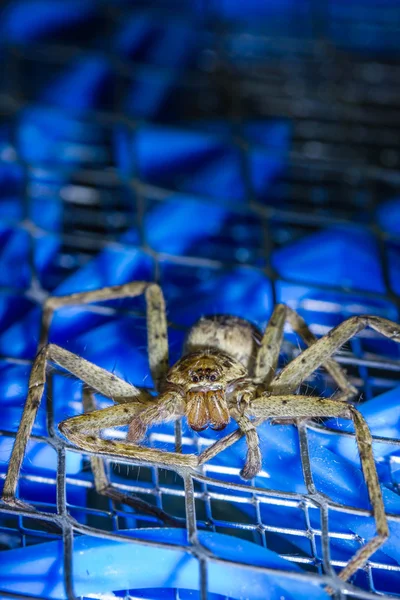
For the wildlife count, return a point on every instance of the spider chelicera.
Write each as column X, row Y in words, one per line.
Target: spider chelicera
column 228, row 371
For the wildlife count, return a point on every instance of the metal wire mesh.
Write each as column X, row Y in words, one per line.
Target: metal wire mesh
column 342, row 163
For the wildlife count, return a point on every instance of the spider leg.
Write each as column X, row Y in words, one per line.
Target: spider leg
column 266, row 406
column 156, row 318
column 300, row 407
column 307, row 407
column 104, row 382
column 105, row 487
column 253, row 462
column 247, row 427
column 268, row 353
column 320, row 351
column 168, row 407
column 364, row 443
column 157, row 344
column 83, row 431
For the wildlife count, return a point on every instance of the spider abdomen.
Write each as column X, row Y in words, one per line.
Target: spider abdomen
column 231, row 335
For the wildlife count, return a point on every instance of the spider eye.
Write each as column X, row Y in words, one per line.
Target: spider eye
column 212, row 377
column 195, row 378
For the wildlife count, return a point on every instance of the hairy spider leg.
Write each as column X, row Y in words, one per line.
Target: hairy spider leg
column 158, row 358
column 268, row 352
column 290, row 378
column 267, row 406
column 97, row 378
column 302, row 407
column 81, row 431
column 104, row 486
column 157, row 339
column 307, row 362
column 264, row 370
column 253, row 463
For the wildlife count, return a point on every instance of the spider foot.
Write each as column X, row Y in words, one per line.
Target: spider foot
column 253, row 464
column 14, row 502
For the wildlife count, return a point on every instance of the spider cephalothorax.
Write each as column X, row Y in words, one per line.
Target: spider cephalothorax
column 205, row 379
column 228, row 371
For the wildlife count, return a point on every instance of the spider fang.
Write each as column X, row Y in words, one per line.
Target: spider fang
column 207, row 408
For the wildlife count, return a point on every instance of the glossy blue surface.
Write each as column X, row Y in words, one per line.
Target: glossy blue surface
column 101, row 566
column 118, row 166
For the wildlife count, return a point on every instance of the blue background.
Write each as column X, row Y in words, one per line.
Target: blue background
column 240, row 155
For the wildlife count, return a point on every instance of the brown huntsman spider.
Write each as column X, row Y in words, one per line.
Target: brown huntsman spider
column 228, row 371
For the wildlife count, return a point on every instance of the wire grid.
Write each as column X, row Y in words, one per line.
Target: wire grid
column 338, row 171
